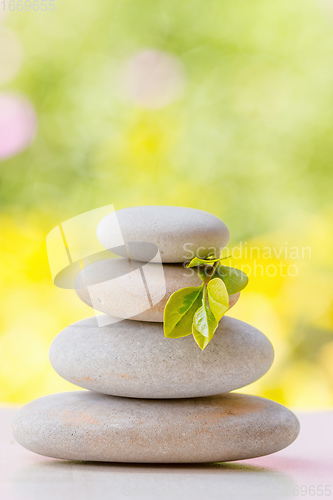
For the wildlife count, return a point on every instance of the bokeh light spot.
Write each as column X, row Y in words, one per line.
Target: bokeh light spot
column 17, row 124
column 154, row 79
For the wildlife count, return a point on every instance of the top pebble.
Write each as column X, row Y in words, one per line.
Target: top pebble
column 180, row 233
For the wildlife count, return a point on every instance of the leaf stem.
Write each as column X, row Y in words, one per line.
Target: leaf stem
column 211, row 273
column 204, row 295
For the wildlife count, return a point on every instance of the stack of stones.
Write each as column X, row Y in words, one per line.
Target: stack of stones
column 150, row 398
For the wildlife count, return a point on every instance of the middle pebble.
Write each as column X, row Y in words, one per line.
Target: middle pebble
column 134, row 290
column 134, row 359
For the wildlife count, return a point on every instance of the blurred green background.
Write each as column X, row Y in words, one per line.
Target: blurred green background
column 218, row 105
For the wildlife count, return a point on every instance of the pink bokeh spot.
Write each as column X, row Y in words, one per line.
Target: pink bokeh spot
column 154, row 79
column 17, row 124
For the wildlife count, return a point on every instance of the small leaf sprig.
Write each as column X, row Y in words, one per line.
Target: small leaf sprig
column 198, row 310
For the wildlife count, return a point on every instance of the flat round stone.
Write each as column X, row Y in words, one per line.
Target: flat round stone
column 180, row 233
column 95, row 427
column 116, row 287
column 135, row 359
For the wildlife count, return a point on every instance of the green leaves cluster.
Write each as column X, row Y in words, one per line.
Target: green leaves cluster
column 198, row 310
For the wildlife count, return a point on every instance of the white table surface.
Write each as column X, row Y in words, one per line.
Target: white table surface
column 303, row 470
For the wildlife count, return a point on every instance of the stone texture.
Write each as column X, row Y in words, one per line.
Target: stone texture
column 180, row 233
column 96, row 427
column 135, row 359
column 115, row 287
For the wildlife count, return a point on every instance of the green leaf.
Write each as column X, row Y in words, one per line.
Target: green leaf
column 234, row 279
column 200, row 339
column 200, row 262
column 210, row 261
column 204, row 321
column 218, row 298
column 204, row 326
column 179, row 311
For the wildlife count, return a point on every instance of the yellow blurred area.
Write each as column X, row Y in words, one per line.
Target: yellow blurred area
column 33, row 311
column 295, row 312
